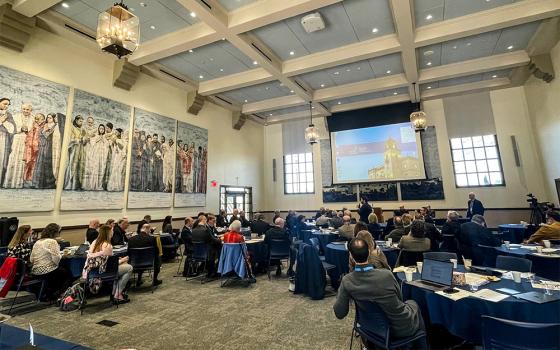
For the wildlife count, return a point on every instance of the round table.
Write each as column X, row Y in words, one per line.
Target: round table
column 337, row 255
column 324, row 238
column 463, row 317
column 258, row 251
column 547, row 268
column 75, row 264
column 515, row 233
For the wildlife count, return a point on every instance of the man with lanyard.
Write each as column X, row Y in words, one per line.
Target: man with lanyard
column 367, row 283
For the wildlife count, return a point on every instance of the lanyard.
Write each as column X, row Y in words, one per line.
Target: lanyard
column 364, row 268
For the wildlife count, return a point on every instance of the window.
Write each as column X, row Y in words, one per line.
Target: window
column 298, row 173
column 476, row 161
column 234, row 197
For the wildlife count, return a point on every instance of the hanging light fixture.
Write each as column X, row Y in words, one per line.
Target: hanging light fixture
column 418, row 117
column 118, row 31
column 311, row 132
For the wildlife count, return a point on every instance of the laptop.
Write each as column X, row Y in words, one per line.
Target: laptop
column 436, row 275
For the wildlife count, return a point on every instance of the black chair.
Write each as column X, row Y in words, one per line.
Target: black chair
column 142, row 260
column 484, row 255
column 63, row 244
column 25, row 280
column 199, row 256
column 440, row 256
column 377, row 234
column 409, row 258
column 512, row 263
column 278, row 249
column 500, row 334
column 315, row 244
column 168, row 247
column 449, row 244
column 373, row 326
column 111, row 274
column 546, row 267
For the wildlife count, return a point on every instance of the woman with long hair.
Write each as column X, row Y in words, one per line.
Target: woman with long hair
column 167, row 226
column 376, row 256
column 19, row 246
column 102, row 247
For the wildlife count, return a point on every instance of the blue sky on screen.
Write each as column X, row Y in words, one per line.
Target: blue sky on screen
column 372, row 134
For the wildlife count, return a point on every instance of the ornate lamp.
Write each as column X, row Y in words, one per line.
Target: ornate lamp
column 118, row 30
column 418, row 120
column 311, row 132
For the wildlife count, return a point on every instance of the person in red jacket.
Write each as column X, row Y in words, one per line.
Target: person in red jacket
column 234, row 234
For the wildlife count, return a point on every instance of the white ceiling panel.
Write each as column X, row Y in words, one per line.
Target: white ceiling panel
column 476, row 46
column 157, row 17
column 504, row 73
column 431, row 11
column 283, row 111
column 366, row 97
column 211, row 61
column 231, row 5
column 258, row 92
column 354, row 72
column 345, row 23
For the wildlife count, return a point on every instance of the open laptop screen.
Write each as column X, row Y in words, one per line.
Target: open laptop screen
column 435, row 271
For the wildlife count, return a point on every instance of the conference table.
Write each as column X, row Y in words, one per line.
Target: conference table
column 337, row 254
column 514, row 233
column 463, row 317
column 546, row 264
column 15, row 338
column 324, row 238
column 258, row 251
column 75, row 263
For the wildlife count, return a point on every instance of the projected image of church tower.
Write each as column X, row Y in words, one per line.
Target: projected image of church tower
column 396, row 166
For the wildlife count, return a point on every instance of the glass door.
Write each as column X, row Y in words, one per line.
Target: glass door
column 235, row 197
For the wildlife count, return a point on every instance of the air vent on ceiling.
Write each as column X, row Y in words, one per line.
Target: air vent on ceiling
column 76, row 30
column 206, row 4
column 261, row 51
column 172, row 75
column 223, row 100
column 301, row 86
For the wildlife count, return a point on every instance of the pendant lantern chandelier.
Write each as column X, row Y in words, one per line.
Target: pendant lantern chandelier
column 311, row 132
column 118, row 30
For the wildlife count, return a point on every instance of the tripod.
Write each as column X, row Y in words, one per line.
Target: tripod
column 537, row 216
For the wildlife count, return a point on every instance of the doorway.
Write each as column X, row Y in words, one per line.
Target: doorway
column 232, row 197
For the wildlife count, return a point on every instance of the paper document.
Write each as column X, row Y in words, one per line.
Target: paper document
column 509, row 275
column 490, row 295
column 456, row 296
column 550, row 285
column 476, row 279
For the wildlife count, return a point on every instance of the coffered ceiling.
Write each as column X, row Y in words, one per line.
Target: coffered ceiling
column 254, row 56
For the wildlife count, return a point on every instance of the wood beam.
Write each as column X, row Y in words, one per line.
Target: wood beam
column 360, row 88
column 359, row 51
column 197, row 35
column 370, row 103
column 15, row 28
column 31, row 8
column 475, row 66
column 291, row 116
column 272, row 104
column 498, row 18
column 490, row 84
column 235, row 81
column 404, row 22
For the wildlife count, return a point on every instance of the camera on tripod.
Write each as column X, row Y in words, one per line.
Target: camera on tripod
column 538, row 210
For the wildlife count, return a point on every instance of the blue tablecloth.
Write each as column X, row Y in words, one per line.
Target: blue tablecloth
column 337, row 255
column 463, row 317
column 75, row 264
column 324, row 239
column 515, row 233
column 519, row 252
column 13, row 338
column 258, row 251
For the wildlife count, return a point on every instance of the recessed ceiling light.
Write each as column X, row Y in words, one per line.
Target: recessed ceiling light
column 358, row 68
column 267, row 88
column 339, row 103
column 429, row 63
column 395, row 93
column 510, row 47
column 469, row 44
column 428, row 53
column 388, row 72
column 152, row 27
column 270, row 114
column 429, row 87
column 322, row 85
column 223, row 38
column 246, row 101
column 312, row 107
column 190, row 50
column 374, row 30
column 336, row 73
column 348, row 69
column 494, row 76
column 211, row 59
column 429, row 17
column 201, row 76
column 454, row 47
column 65, row 5
column 143, row 4
column 193, row 15
column 292, row 53
column 291, row 91
column 221, row 69
column 255, row 63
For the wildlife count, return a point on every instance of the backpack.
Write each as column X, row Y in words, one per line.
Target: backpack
column 7, row 275
column 72, row 299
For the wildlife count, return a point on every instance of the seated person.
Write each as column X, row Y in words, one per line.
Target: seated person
column 202, row 233
column 416, row 240
column 277, row 232
column 221, row 219
column 91, row 233
column 336, row 220
column 244, row 222
column 367, row 283
column 167, row 225
column 431, row 232
column 147, row 219
column 451, row 227
column 376, row 256
column 347, row 229
column 45, row 259
column 277, row 215
column 259, row 226
column 186, row 237
column 234, row 234
column 398, row 231
column 102, row 247
column 19, row 246
column 235, row 216
column 319, row 213
column 119, row 232
column 144, row 240
column 211, row 222
column 550, row 230
column 474, row 233
column 360, row 226
column 427, row 213
column 322, row 221
column 373, row 224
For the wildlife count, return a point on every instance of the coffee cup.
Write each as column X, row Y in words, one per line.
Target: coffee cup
column 467, row 263
column 454, row 261
column 408, row 273
column 506, row 243
column 539, row 249
column 516, row 276
column 389, row 242
column 546, row 243
column 419, row 266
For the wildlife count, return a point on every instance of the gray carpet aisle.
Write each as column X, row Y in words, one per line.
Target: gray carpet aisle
column 190, row 315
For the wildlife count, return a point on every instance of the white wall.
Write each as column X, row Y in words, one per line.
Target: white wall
column 234, row 157
column 511, row 118
column 544, row 108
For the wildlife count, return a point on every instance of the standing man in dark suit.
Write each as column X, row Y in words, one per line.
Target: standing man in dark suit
column 474, row 206
column 203, row 234
column 364, row 209
column 144, row 240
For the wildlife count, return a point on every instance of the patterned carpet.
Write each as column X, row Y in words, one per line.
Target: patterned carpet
column 190, row 315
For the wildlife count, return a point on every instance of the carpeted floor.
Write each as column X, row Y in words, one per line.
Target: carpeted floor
column 190, row 315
